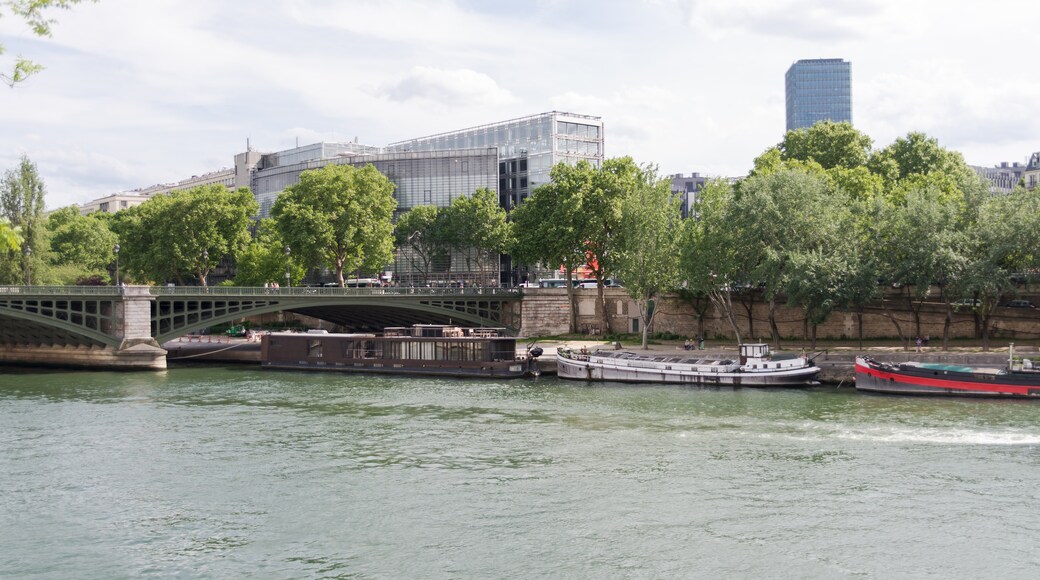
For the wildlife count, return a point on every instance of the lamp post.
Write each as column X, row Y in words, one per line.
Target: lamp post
column 287, row 266
column 115, row 250
column 205, row 267
column 28, row 266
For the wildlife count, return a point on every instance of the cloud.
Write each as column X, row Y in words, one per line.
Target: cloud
column 449, row 88
column 830, row 20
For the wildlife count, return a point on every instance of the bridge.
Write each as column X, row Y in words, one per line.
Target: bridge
column 125, row 327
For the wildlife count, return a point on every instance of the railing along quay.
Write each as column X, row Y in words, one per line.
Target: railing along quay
column 301, row 291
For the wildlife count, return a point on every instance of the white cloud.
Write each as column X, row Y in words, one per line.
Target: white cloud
column 447, row 88
column 137, row 93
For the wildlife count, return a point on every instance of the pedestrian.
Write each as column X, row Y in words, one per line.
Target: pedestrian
column 918, row 344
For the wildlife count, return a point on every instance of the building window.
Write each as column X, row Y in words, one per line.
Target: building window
column 427, row 196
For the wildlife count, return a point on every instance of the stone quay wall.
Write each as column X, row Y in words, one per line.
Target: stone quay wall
column 546, row 312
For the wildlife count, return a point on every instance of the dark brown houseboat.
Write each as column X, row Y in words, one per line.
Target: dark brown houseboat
column 423, row 349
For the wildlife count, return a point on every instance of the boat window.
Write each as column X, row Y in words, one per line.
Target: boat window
column 314, row 348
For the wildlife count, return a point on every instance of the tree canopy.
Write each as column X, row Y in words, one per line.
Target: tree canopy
column 186, row 234
column 33, row 12
column 339, row 217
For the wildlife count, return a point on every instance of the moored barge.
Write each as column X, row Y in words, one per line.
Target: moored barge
column 755, row 368
column 423, row 349
column 1018, row 379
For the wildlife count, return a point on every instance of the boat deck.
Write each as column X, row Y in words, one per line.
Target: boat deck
column 661, row 358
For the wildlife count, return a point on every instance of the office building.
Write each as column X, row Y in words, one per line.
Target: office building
column 528, row 147
column 818, row 90
column 686, row 188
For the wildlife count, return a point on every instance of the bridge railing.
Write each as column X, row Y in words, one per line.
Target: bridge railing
column 302, row 291
column 305, row 291
column 61, row 290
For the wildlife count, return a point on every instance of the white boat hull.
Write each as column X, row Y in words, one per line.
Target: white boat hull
column 639, row 369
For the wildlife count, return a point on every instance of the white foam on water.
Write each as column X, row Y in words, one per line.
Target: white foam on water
column 943, row 436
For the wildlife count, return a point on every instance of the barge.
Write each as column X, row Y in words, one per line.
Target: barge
column 755, row 368
column 1020, row 379
column 422, row 349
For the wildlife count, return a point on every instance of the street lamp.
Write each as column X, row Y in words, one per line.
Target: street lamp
column 115, row 250
column 205, row 267
column 287, row 265
column 28, row 266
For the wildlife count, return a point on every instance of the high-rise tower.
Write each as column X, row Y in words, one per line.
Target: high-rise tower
column 818, row 90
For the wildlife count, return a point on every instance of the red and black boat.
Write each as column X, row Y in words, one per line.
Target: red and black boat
column 1017, row 379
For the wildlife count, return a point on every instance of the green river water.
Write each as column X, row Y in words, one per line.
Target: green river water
column 209, row 472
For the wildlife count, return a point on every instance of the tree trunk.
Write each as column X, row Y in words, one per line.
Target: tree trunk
column 985, row 333
column 572, row 299
column 602, row 305
column 813, row 342
column 724, row 304
column 773, row 329
column 946, row 327
column 859, row 325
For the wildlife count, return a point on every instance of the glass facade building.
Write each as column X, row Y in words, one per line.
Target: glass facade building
column 527, row 147
column 420, row 178
column 818, row 90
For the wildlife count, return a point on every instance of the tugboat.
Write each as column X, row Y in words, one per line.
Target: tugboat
column 1017, row 379
column 756, row 368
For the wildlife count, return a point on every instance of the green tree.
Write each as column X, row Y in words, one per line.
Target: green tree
column 81, row 246
column 33, row 12
column 924, row 245
column 263, row 260
column 832, row 145
column 422, row 230
column 186, row 234
column 918, row 162
column 645, row 253
column 22, row 193
column 777, row 216
column 711, row 253
column 602, row 214
column 10, row 240
column 548, row 225
column 340, row 217
column 479, row 228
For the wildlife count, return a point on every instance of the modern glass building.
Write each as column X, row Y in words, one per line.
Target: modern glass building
column 818, row 90
column 420, row 178
column 527, row 147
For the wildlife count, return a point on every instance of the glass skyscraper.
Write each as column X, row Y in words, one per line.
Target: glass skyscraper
column 818, row 90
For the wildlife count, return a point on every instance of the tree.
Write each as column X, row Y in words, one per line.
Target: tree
column 185, row 234
column 9, row 238
column 547, row 226
column 81, row 246
column 421, row 229
column 776, row 216
column 711, row 251
column 22, row 194
column 602, row 214
column 263, row 260
column 917, row 162
column 832, row 145
column 32, row 11
column 478, row 226
column 645, row 253
column 340, row 217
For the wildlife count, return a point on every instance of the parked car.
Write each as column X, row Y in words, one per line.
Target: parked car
column 1018, row 304
column 966, row 303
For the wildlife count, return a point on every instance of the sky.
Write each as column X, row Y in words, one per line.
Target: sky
column 141, row 92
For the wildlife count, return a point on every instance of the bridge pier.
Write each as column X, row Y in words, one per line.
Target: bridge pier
column 120, row 320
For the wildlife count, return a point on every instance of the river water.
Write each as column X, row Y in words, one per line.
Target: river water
column 207, row 472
